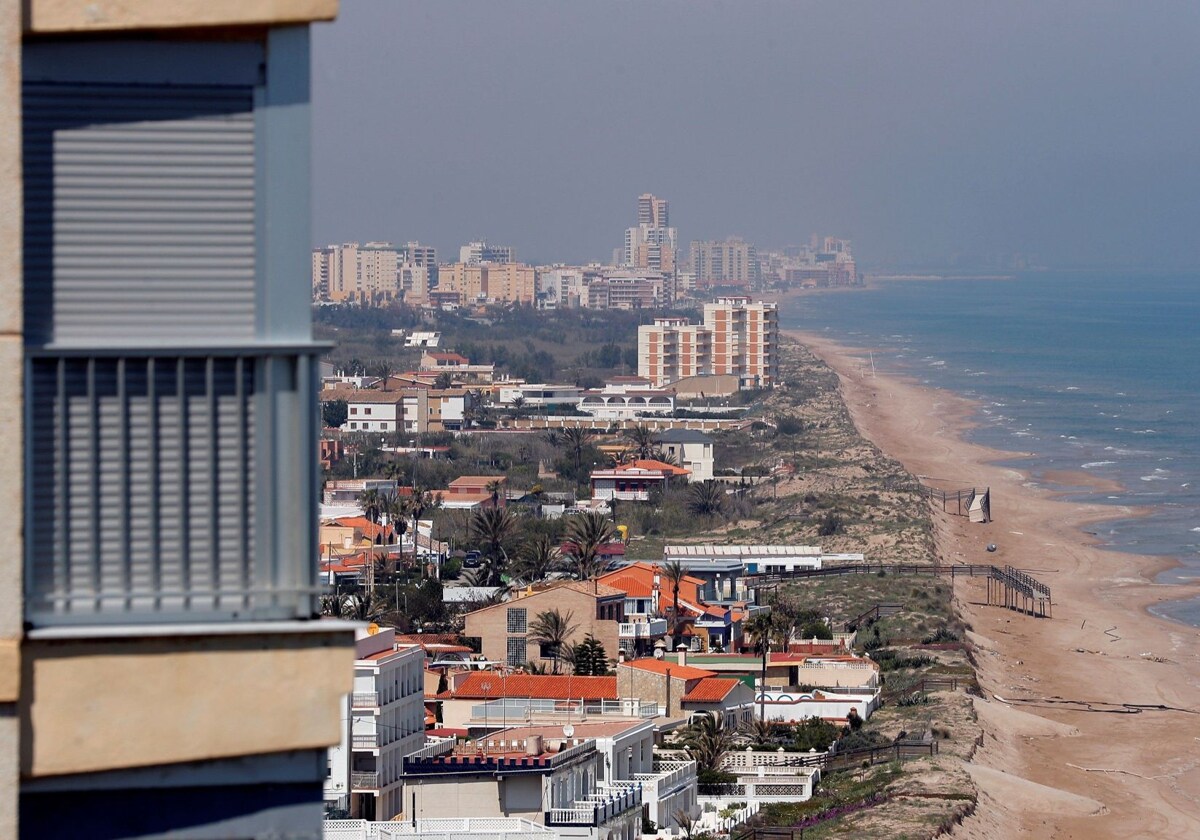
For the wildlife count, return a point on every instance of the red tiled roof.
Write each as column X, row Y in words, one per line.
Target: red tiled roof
column 658, row 666
column 710, row 690
column 612, row 549
column 651, row 464
column 369, row 529
column 631, row 586
column 538, row 686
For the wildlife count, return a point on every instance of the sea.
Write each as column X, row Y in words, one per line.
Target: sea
column 1090, row 371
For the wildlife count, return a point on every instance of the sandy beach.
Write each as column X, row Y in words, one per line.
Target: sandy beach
column 1091, row 717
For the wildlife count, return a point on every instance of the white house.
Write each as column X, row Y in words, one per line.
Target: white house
column 538, row 395
column 384, row 721
column 689, row 449
column 618, row 402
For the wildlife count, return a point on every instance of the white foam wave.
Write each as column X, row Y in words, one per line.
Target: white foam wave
column 1091, row 465
column 1153, row 478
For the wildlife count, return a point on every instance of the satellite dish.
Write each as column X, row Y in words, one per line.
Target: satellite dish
column 568, row 731
column 372, row 629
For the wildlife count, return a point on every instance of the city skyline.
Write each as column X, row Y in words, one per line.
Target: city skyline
column 1061, row 132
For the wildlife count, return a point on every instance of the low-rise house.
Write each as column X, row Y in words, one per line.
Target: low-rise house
column 649, row 594
column 793, row 706
column 471, row 491
column 794, row 671
column 684, row 691
column 347, row 491
column 503, row 629
column 384, row 720
column 538, row 395
column 635, row 481
column 689, row 449
column 763, row 777
column 555, row 782
column 495, row 699
column 456, row 365
column 622, row 403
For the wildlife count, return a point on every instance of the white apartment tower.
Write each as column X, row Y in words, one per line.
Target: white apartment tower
column 384, row 720
column 732, row 262
column 474, row 253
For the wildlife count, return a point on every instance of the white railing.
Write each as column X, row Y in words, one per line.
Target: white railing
column 608, row 803
column 433, row 749
column 501, row 713
column 734, row 762
column 469, row 828
column 364, row 700
column 643, row 629
column 667, row 777
column 368, row 741
column 364, row 781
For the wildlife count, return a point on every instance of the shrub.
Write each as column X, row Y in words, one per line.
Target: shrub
column 831, row 523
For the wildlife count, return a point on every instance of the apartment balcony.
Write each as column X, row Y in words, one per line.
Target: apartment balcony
column 668, row 777
column 505, row 712
column 364, row 781
column 607, row 804
column 368, row 741
column 651, row 629
column 364, row 700
column 467, row 828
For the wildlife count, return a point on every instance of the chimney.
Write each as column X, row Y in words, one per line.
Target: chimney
column 683, row 652
column 533, row 745
column 620, row 656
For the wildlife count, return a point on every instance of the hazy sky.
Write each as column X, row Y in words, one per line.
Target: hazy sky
column 921, row 130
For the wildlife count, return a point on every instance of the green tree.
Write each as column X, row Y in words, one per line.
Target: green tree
column 706, row 499
column 537, row 558
column 551, row 629
column 576, row 439
column 643, row 441
column 493, row 527
column 334, row 413
column 708, row 743
column 814, row 734
column 760, row 628
column 443, row 381
column 384, row 369
column 586, row 534
column 370, row 501
column 589, row 658
column 675, row 573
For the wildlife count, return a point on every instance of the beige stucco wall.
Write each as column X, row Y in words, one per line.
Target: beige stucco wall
column 99, row 15
column 95, row 704
column 649, row 685
column 490, row 625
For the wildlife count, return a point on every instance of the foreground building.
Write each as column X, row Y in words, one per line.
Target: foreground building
column 162, row 674
column 739, row 338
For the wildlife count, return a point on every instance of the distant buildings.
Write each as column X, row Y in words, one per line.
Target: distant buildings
column 475, row 282
column 738, row 337
column 474, row 253
column 372, row 274
column 732, row 262
column 825, row 261
column 652, row 243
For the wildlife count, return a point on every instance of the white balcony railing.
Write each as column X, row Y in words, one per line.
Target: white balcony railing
column 364, row 781
column 367, row 741
column 364, row 700
column 505, row 712
column 605, row 805
column 474, row 828
column 668, row 776
column 643, row 629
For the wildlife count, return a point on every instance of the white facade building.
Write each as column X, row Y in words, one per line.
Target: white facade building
column 689, row 449
column 385, row 721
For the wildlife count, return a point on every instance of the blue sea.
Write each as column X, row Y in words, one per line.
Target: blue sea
column 1089, row 371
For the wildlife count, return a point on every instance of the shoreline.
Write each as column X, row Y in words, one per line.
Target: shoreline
column 1049, row 768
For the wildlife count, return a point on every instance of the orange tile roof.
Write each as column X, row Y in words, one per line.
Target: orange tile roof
column 651, row 464
column 658, row 666
column 710, row 690
column 369, row 529
column 539, row 686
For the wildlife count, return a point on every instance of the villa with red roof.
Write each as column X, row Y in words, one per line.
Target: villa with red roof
column 634, row 481
column 684, row 691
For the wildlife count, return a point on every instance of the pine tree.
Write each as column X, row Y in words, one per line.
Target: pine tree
column 591, row 660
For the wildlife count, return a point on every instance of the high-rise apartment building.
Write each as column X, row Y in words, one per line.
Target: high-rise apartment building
column 731, row 262
column 495, row 282
column 673, row 348
column 474, row 253
column 367, row 274
column 745, row 338
column 652, row 243
column 418, row 254
column 161, row 673
column 738, row 337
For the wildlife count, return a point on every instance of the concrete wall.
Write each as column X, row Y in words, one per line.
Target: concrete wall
column 491, row 624
column 648, row 685
column 100, row 704
column 11, row 497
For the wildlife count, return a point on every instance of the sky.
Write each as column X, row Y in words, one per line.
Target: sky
column 929, row 133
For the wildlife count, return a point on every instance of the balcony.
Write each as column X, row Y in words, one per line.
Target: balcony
column 475, row 828
column 369, row 741
column 651, row 629
column 505, row 712
column 602, row 807
column 364, row 700
column 668, row 777
column 364, row 781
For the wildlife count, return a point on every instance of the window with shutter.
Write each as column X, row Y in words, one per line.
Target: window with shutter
column 167, row 440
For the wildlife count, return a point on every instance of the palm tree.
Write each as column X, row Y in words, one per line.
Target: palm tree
column 395, row 508
column 642, row 440
column 422, row 500
column 443, row 381
column 707, row 743
column 760, row 627
column 494, row 526
column 707, row 499
column 576, row 439
column 494, row 487
column 759, row 733
column 537, row 559
column 674, row 572
column 551, row 629
column 384, row 370
column 369, row 501
column 586, row 533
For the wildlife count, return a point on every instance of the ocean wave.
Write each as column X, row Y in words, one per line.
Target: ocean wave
column 1153, row 478
column 1093, row 464
column 1145, row 432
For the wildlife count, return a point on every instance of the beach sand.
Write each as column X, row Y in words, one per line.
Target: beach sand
column 1142, row 776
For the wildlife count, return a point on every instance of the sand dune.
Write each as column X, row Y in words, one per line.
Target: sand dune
column 1046, row 767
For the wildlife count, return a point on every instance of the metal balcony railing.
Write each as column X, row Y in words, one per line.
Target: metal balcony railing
column 367, row 741
column 364, row 700
column 364, row 781
column 597, row 809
